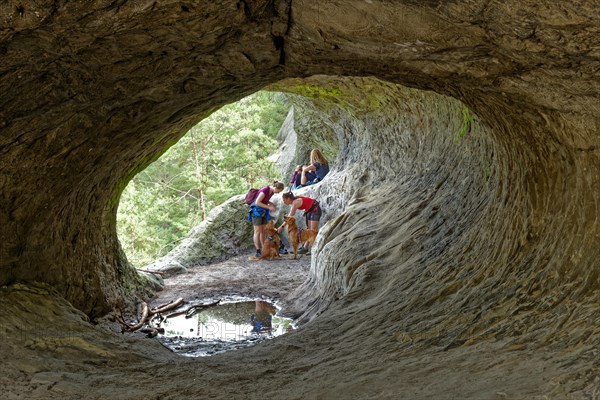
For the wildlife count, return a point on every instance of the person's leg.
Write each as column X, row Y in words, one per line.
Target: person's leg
column 307, row 177
column 298, row 182
column 257, row 244
column 259, row 233
column 312, row 220
column 282, row 249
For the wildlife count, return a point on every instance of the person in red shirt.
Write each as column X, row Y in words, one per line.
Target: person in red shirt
column 312, row 212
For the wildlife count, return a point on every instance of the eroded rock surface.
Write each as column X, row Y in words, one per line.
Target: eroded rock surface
column 470, row 224
column 224, row 233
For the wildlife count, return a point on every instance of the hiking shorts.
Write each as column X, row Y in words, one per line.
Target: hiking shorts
column 257, row 221
column 315, row 214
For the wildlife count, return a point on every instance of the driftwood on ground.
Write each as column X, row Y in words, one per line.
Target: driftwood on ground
column 192, row 310
column 149, row 313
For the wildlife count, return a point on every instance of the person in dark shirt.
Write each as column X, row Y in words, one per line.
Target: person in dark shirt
column 313, row 173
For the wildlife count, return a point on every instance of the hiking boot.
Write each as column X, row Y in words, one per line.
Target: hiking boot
column 302, row 250
column 283, row 251
column 257, row 255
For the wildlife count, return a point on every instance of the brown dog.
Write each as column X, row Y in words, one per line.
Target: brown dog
column 270, row 247
column 298, row 236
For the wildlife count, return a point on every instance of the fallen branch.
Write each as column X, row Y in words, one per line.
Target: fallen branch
column 196, row 309
column 166, row 307
column 189, row 312
column 147, row 313
column 137, row 326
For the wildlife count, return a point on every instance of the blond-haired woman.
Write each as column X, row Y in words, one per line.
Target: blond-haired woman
column 315, row 172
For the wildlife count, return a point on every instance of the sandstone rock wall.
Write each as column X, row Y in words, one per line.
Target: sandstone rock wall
column 93, row 94
column 448, row 251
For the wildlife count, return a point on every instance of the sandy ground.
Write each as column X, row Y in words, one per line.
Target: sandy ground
column 237, row 277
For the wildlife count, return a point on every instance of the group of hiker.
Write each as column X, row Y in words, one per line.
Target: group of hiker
column 261, row 207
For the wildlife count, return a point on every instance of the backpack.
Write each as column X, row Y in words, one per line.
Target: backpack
column 251, row 196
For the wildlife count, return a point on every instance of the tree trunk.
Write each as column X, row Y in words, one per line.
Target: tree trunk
column 201, row 208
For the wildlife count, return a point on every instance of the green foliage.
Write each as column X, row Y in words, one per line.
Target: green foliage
column 220, row 157
column 310, row 90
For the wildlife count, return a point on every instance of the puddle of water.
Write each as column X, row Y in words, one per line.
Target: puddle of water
column 224, row 327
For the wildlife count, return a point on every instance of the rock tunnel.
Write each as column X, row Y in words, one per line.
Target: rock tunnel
column 465, row 260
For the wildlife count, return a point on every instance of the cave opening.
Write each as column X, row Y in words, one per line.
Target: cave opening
column 451, row 176
column 249, row 143
column 451, row 250
column 391, row 139
column 268, row 128
column 222, row 156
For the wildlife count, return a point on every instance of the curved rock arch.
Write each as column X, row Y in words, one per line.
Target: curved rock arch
column 92, row 94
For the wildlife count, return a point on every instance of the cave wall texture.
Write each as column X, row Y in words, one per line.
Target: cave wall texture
column 490, row 235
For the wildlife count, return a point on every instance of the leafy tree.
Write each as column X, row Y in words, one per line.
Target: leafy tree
column 220, row 157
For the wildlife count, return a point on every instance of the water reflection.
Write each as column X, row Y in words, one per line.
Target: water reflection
column 224, row 327
column 262, row 318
